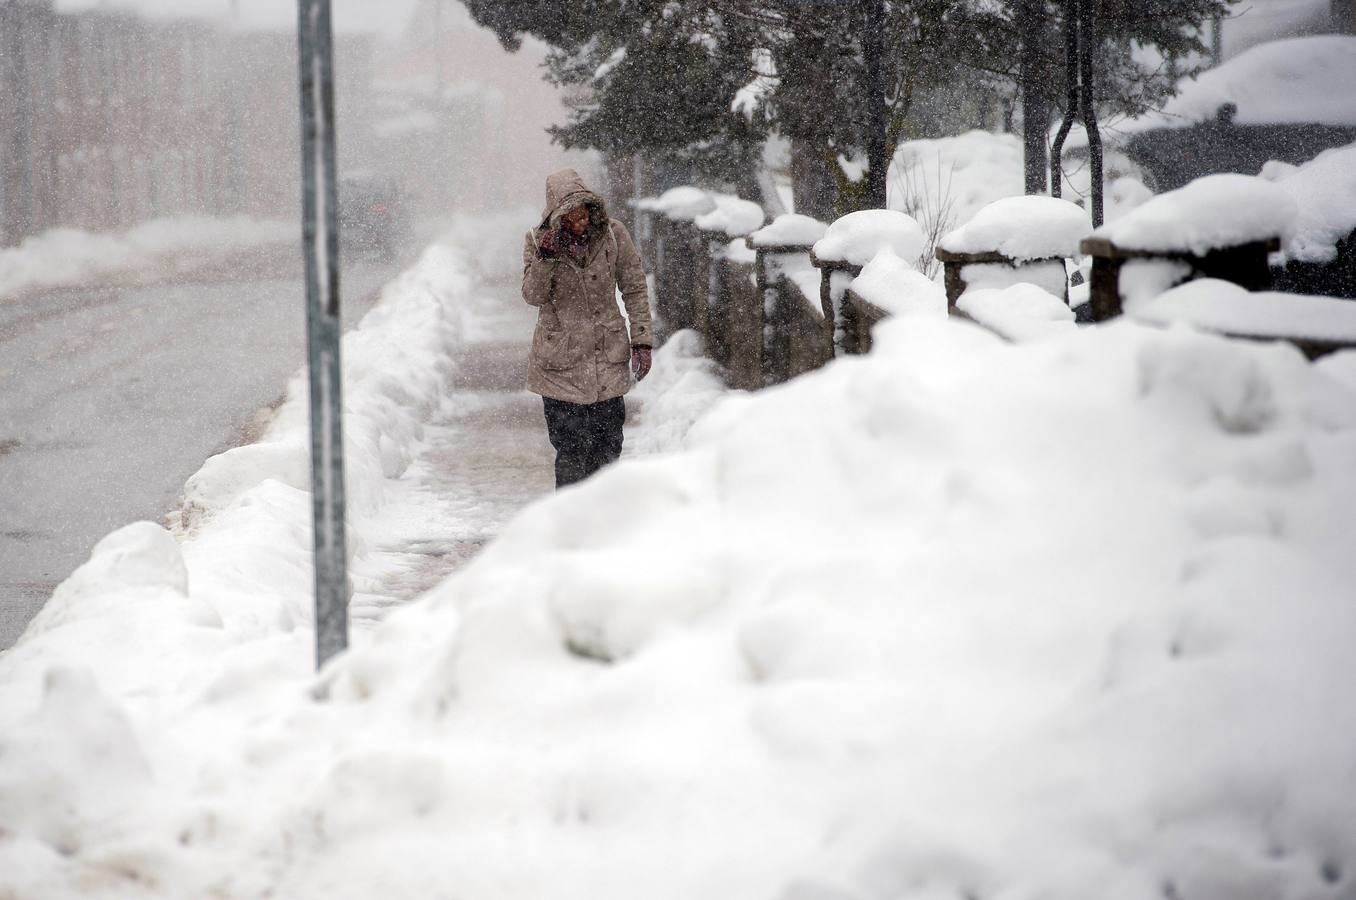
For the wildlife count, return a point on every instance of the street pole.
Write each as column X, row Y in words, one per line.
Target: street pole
column 320, row 245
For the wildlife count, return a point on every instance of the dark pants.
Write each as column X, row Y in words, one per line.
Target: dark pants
column 586, row 437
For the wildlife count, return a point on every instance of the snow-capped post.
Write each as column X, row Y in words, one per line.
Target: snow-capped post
column 320, row 244
column 680, row 290
column 727, row 262
column 1222, row 226
column 791, row 339
column 1013, row 240
column 841, row 254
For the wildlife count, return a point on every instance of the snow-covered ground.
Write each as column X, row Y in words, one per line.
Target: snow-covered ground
column 158, row 250
column 955, row 619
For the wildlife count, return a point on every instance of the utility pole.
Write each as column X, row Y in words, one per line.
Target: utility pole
column 320, row 244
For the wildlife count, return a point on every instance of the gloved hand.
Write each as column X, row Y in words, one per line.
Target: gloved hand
column 547, row 243
column 640, row 361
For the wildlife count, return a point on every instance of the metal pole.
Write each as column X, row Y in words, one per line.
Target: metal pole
column 320, row 245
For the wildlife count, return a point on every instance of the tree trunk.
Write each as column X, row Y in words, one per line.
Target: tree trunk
column 877, row 111
column 812, row 184
column 1035, row 103
column 1343, row 16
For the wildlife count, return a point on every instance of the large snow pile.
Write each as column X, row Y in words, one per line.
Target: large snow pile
column 1212, row 212
column 731, row 216
column 1022, row 228
column 67, row 256
column 857, row 237
column 1229, row 309
column 957, row 618
column 1324, row 189
column 789, row 230
column 952, row 178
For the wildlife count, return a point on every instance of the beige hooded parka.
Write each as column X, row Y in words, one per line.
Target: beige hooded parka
column 581, row 351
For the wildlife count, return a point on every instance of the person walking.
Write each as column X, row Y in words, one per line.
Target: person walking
column 574, row 261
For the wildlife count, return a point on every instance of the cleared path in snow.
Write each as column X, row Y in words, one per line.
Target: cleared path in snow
column 485, row 457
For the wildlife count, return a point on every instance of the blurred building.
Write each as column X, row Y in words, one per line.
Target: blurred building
column 107, row 120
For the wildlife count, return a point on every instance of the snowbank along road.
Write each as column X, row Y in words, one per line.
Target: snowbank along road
column 110, row 397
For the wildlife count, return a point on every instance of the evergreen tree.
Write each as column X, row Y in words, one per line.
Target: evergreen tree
column 838, row 79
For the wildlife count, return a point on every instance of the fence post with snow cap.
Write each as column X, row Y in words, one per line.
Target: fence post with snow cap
column 849, row 244
column 791, row 329
column 1012, row 240
column 838, row 317
column 679, row 249
column 1220, row 226
column 887, row 286
column 729, row 296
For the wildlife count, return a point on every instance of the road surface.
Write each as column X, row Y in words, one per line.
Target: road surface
column 110, row 398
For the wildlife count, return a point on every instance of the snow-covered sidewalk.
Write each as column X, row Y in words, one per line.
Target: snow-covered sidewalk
column 484, row 457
